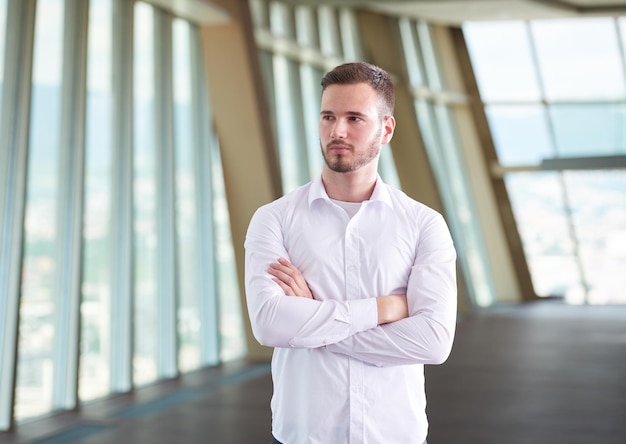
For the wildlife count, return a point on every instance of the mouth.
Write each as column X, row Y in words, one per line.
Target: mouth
column 339, row 148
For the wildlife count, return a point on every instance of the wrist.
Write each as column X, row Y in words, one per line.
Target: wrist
column 391, row 308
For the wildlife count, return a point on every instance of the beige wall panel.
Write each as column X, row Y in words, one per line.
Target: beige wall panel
column 249, row 167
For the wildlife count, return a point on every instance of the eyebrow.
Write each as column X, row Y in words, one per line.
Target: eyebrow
column 350, row 113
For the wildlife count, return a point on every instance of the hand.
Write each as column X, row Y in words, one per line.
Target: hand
column 290, row 279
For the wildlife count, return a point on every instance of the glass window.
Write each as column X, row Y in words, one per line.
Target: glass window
column 412, row 55
column 330, row 42
column 311, row 96
column 96, row 287
column 37, row 308
column 600, row 196
column 589, row 129
column 437, row 127
column 281, row 20
column 582, row 114
column 520, row 134
column 291, row 139
column 502, row 59
column 232, row 337
column 145, row 235
column 306, row 30
column 579, row 59
column 541, row 216
column 186, row 198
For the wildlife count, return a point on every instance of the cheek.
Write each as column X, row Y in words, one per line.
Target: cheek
column 324, row 132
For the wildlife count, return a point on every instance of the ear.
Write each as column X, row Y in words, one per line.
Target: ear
column 389, row 125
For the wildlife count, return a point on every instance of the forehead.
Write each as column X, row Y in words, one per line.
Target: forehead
column 358, row 97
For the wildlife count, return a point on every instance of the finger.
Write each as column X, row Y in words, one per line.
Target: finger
column 282, row 275
column 286, row 288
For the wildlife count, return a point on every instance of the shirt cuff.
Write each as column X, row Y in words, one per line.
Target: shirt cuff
column 363, row 314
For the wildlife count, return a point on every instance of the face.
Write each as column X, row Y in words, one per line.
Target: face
column 352, row 131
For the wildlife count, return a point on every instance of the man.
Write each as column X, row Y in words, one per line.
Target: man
column 352, row 282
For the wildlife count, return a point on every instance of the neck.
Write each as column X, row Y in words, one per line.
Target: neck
column 357, row 186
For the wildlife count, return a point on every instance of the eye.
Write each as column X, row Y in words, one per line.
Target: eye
column 355, row 119
column 327, row 117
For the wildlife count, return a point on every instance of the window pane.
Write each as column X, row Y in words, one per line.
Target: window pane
column 502, row 60
column 520, row 134
column 96, row 288
column 291, row 138
column 601, row 196
column 145, row 267
column 186, row 211
column 35, row 355
column 232, row 336
column 311, row 94
column 579, row 58
column 540, row 213
column 589, row 130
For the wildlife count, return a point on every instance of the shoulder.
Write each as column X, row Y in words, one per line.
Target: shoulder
column 406, row 204
column 283, row 205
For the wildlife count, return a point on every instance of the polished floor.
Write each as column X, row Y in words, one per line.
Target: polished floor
column 541, row 373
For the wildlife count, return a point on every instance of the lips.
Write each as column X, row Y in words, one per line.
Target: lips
column 339, row 148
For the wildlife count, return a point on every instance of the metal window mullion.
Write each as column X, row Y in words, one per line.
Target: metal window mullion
column 67, row 282
column 18, row 65
column 203, row 141
column 166, row 210
column 121, row 264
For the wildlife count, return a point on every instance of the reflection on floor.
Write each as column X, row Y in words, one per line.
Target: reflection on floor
column 541, row 373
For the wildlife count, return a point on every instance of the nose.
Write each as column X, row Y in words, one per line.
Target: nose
column 338, row 130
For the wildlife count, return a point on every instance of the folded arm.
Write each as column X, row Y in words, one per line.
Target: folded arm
column 426, row 316
column 426, row 335
column 281, row 321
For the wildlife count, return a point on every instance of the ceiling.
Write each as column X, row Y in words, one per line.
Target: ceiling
column 450, row 12
column 455, row 12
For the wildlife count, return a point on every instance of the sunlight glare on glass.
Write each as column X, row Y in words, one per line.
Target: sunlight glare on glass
column 94, row 377
column 579, row 59
column 502, row 60
column 47, row 67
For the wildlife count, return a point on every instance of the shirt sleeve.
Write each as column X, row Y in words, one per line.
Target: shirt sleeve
column 426, row 336
column 278, row 320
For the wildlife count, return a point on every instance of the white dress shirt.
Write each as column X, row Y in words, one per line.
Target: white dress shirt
column 338, row 376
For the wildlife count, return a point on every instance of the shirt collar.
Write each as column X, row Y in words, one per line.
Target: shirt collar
column 380, row 193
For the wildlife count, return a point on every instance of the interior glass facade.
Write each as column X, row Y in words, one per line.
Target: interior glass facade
column 556, row 90
column 145, row 285
column 125, row 335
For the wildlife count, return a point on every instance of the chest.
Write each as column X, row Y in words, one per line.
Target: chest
column 375, row 249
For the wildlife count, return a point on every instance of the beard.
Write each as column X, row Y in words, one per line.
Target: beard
column 341, row 163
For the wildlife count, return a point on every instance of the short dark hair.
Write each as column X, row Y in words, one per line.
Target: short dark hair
column 361, row 72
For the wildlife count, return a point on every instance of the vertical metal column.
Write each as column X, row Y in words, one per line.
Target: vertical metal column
column 204, row 141
column 68, row 275
column 122, row 199
column 166, row 209
column 18, row 64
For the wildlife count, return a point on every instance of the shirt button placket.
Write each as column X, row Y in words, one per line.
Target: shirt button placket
column 352, row 271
